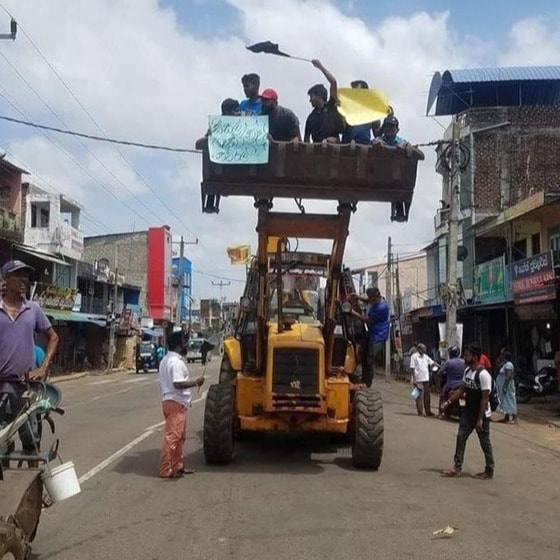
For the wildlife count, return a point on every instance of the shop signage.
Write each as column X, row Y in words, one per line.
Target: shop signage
column 53, row 297
column 489, row 281
column 531, row 279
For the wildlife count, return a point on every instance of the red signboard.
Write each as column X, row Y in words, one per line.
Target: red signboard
column 159, row 273
column 531, row 279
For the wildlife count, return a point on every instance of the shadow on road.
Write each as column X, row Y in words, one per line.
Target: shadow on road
column 254, row 453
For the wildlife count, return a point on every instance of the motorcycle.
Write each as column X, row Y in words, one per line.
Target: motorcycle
column 542, row 384
column 21, row 488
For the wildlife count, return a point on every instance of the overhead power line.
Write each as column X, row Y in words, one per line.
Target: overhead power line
column 100, row 138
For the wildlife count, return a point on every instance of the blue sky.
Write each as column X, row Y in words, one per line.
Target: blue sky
column 486, row 19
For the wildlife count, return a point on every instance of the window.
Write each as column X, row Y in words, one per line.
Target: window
column 372, row 278
column 39, row 216
column 536, row 243
column 520, row 250
column 554, row 239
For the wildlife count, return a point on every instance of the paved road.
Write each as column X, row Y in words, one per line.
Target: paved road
column 294, row 499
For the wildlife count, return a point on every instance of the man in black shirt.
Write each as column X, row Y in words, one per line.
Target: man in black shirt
column 283, row 125
column 324, row 122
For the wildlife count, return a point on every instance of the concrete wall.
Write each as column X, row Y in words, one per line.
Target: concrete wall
column 514, row 161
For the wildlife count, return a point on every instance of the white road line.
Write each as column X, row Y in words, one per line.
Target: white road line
column 150, row 430
column 103, row 382
column 104, row 464
column 134, row 380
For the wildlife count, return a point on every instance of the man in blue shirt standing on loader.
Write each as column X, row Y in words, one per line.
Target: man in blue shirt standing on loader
column 378, row 322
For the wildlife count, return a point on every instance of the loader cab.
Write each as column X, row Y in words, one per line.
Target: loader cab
column 301, row 299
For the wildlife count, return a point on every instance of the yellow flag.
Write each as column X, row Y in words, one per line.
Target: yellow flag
column 362, row 106
column 240, row 254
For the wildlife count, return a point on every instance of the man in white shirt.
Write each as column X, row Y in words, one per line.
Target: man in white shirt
column 475, row 414
column 176, row 396
column 420, row 364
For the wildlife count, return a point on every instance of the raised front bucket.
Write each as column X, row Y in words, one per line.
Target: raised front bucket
column 61, row 482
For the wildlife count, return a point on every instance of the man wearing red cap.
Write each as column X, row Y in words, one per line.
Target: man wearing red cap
column 283, row 125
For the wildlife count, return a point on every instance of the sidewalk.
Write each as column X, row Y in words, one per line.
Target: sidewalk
column 537, row 410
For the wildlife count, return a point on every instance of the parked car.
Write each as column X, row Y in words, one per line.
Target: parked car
column 199, row 349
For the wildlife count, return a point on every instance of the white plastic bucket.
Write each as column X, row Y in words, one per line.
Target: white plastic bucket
column 61, row 482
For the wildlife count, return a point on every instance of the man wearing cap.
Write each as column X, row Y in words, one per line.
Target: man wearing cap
column 389, row 133
column 324, row 122
column 283, row 125
column 20, row 319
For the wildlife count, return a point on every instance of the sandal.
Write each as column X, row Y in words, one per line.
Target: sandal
column 450, row 473
column 186, row 471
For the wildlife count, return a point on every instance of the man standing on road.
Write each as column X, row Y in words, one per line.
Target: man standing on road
column 176, row 396
column 420, row 364
column 20, row 320
column 377, row 319
column 475, row 414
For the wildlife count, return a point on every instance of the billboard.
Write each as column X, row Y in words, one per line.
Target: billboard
column 531, row 279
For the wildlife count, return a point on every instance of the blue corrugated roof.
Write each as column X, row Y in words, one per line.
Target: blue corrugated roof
column 506, row 74
column 458, row 90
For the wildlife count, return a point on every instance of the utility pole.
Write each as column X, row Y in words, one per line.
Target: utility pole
column 453, row 224
column 399, row 300
column 112, row 332
column 221, row 284
column 181, row 298
column 388, row 282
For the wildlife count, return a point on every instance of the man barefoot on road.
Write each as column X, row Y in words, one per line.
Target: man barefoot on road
column 176, row 397
column 475, row 414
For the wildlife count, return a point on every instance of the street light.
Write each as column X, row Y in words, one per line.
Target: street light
column 13, row 31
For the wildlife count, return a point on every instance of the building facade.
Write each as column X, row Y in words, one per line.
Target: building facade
column 509, row 236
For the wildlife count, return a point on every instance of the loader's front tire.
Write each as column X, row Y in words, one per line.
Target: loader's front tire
column 367, row 448
column 227, row 373
column 218, row 424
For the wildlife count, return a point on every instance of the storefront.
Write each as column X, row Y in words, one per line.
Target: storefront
column 81, row 335
column 534, row 292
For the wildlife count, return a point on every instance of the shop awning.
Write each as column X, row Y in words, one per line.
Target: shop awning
column 150, row 332
column 40, row 254
column 75, row 317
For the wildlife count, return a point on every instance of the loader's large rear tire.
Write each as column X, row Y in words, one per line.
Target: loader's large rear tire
column 367, row 449
column 227, row 373
column 218, row 424
column 12, row 544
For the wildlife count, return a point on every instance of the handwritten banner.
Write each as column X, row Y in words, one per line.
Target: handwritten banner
column 238, row 140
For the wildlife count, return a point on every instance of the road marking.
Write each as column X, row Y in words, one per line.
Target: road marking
column 103, row 382
column 150, row 430
column 134, row 380
column 104, row 464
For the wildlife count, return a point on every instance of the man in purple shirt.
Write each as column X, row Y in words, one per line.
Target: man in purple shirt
column 20, row 319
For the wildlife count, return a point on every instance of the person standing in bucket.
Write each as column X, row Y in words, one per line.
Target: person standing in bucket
column 475, row 414
column 175, row 386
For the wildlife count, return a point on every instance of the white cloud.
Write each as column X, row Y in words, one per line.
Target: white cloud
column 533, row 41
column 143, row 77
